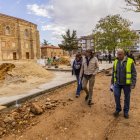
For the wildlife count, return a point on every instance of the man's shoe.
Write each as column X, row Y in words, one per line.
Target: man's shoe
column 90, row 102
column 116, row 114
column 126, row 116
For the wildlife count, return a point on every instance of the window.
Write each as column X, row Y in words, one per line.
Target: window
column 13, row 44
column 83, row 41
column 26, row 45
column 3, row 44
column 26, row 33
column 51, row 54
column 7, row 30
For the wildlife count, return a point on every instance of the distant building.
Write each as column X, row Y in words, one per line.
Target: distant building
column 86, row 42
column 51, row 51
column 19, row 39
column 135, row 49
column 138, row 41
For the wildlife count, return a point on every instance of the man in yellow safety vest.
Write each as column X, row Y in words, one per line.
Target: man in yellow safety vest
column 123, row 77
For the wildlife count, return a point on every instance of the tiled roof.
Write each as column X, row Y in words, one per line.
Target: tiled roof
column 52, row 47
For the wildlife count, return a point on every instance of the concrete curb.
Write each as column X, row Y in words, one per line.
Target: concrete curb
column 23, row 99
column 60, row 70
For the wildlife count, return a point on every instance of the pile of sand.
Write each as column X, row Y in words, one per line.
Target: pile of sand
column 22, row 70
column 28, row 69
column 18, row 77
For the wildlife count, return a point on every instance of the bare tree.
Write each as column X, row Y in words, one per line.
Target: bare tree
column 134, row 4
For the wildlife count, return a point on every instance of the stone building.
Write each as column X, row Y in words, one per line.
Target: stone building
column 19, row 39
column 51, row 51
column 137, row 43
column 135, row 49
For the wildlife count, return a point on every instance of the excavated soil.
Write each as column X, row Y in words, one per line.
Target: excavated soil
column 18, row 77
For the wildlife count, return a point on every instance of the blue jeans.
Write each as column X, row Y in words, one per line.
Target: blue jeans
column 117, row 94
column 79, row 85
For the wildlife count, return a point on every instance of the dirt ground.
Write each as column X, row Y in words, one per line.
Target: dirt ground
column 23, row 75
column 73, row 119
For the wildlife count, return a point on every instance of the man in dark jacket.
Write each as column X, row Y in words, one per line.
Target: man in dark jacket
column 132, row 57
column 123, row 77
column 110, row 58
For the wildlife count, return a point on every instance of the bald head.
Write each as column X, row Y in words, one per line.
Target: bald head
column 120, row 51
column 120, row 54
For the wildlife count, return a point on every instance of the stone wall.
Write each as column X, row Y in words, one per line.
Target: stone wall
column 19, row 39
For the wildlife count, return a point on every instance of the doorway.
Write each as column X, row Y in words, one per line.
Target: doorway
column 14, row 56
column 27, row 55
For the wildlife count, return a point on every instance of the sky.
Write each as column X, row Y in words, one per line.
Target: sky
column 54, row 17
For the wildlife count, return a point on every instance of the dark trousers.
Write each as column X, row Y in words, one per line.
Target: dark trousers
column 79, row 85
column 110, row 61
column 117, row 93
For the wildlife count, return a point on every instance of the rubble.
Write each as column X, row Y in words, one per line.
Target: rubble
column 4, row 68
column 108, row 73
column 51, row 104
column 70, row 99
column 2, row 107
column 1, row 131
column 48, row 99
column 24, row 116
column 9, row 120
column 36, row 109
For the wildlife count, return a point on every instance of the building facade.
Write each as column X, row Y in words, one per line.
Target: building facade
column 138, row 41
column 19, row 39
column 51, row 51
column 86, row 42
column 135, row 49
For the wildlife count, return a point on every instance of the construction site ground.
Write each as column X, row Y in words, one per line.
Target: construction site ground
column 71, row 118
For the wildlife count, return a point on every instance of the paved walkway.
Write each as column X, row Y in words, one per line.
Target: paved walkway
column 104, row 65
column 60, row 79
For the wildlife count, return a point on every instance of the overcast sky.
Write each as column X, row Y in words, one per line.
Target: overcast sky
column 54, row 17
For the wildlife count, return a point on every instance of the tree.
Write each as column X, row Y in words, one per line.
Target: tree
column 112, row 32
column 69, row 42
column 45, row 42
column 135, row 4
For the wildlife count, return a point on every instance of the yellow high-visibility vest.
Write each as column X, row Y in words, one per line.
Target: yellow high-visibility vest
column 128, row 71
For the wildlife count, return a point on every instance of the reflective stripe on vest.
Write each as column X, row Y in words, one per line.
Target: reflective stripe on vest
column 128, row 70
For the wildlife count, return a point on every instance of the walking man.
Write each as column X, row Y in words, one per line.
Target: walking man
column 123, row 77
column 110, row 58
column 89, row 69
column 106, row 57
